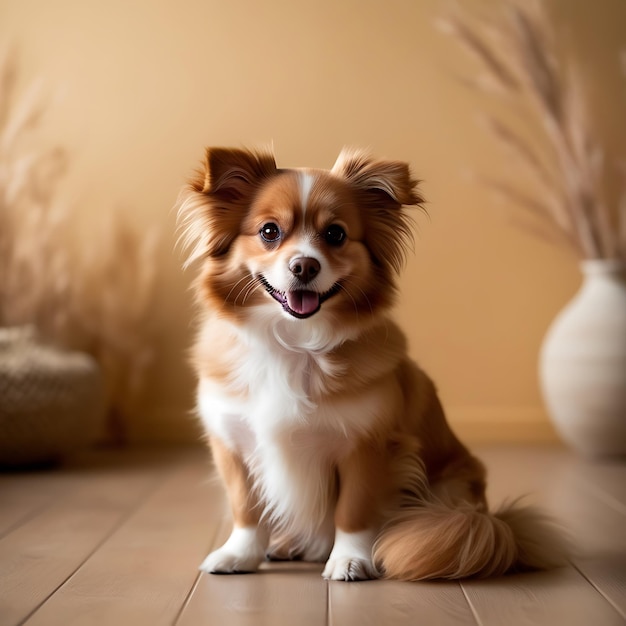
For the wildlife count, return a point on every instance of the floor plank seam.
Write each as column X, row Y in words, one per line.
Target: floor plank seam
column 471, row 606
column 25, row 518
column 187, row 599
column 116, row 527
column 598, row 590
column 327, row 614
column 210, row 546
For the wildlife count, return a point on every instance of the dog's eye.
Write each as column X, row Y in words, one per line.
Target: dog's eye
column 334, row 235
column 270, row 232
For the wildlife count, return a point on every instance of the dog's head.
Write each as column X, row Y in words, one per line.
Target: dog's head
column 299, row 243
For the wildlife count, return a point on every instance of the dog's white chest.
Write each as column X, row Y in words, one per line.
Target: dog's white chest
column 277, row 411
column 274, row 426
column 267, row 395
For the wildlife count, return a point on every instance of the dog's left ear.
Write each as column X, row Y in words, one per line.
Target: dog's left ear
column 211, row 208
column 233, row 175
column 382, row 188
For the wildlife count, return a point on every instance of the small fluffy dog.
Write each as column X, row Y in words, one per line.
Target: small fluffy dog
column 332, row 444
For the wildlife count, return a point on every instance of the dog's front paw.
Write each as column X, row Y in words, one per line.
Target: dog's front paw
column 224, row 561
column 351, row 557
column 243, row 552
column 349, row 568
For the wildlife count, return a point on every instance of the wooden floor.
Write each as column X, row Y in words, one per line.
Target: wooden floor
column 115, row 537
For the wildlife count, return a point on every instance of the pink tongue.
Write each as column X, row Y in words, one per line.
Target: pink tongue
column 303, row 302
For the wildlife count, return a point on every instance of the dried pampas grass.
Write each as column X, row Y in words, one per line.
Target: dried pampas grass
column 81, row 292
column 517, row 53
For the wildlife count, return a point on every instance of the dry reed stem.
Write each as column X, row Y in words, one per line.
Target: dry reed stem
column 80, row 293
column 517, row 53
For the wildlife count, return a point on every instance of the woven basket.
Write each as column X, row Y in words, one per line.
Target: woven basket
column 51, row 401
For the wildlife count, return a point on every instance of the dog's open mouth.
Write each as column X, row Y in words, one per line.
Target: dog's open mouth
column 300, row 303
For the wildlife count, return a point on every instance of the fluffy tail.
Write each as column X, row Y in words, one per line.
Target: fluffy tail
column 437, row 541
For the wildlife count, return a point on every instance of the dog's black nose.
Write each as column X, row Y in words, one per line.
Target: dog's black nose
column 305, row 268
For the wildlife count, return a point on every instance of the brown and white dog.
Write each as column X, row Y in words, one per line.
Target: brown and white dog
column 332, row 444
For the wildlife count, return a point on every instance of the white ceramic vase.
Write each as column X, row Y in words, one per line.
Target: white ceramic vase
column 583, row 363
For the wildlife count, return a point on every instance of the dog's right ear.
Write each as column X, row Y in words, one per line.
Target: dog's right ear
column 232, row 173
column 212, row 207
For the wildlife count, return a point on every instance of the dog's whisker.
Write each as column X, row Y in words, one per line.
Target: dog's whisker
column 243, row 291
column 367, row 300
column 250, row 288
column 227, row 298
column 356, row 308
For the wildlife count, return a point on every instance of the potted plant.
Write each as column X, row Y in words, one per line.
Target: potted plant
column 583, row 357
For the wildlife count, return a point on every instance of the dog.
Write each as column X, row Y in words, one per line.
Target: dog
column 332, row 444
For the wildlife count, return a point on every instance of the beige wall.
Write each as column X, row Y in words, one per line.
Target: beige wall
column 146, row 84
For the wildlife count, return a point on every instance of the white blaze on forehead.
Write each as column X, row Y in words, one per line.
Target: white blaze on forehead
column 306, row 180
